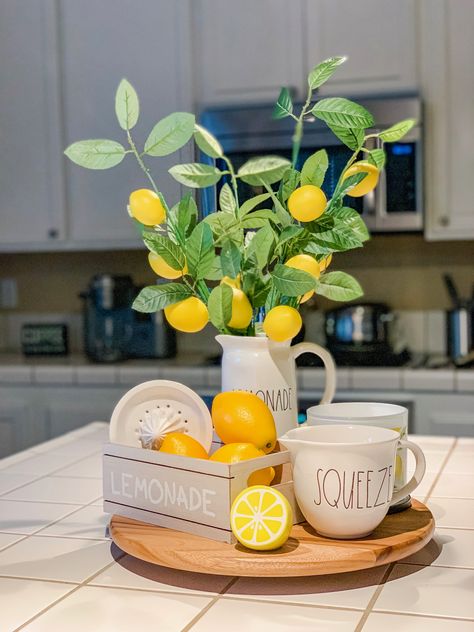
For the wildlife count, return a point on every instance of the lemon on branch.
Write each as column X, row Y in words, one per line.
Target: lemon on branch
column 307, row 264
column 146, row 207
column 241, row 310
column 189, row 315
column 162, row 269
column 307, row 203
column 282, row 323
column 368, row 183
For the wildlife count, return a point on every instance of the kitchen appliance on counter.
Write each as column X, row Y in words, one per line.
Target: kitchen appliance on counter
column 396, row 203
column 365, row 334
column 459, row 326
column 113, row 331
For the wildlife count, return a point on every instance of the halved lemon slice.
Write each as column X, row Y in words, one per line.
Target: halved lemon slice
column 261, row 518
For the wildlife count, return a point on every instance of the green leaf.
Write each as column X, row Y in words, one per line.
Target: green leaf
column 96, row 154
column 292, row 282
column 230, row 259
column 351, row 136
column 350, row 218
column 268, row 169
column 342, row 113
column 251, row 203
column 186, row 216
column 284, row 106
column 223, row 224
column 290, row 232
column 256, row 288
column 215, row 273
column 262, row 245
column 200, row 251
column 156, row 297
column 196, row 175
column 339, row 286
column 314, row 168
column 259, row 218
column 227, row 202
column 377, row 157
column 160, row 245
column 170, row 134
column 207, row 143
column 347, row 184
column 280, row 210
column 323, row 71
column 289, row 182
column 127, row 106
column 334, row 240
column 397, row 131
column 219, row 306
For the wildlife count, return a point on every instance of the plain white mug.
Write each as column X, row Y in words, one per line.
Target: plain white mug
column 344, row 476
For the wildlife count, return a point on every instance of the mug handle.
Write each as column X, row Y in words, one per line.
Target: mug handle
column 420, row 468
column 326, row 357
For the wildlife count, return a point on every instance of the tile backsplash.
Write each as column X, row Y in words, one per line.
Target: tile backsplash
column 422, row 331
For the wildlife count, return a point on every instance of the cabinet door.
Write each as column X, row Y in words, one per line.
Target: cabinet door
column 246, row 51
column 447, row 55
column 30, row 179
column 77, row 407
column 451, row 415
column 16, row 427
column 102, row 43
column 378, row 36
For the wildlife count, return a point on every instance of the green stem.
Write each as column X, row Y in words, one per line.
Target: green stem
column 145, row 169
column 299, row 129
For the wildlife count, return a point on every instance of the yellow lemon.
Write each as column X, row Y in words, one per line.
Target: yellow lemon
column 368, row 183
column 190, row 315
column 183, row 445
column 308, row 264
column 146, row 207
column 261, row 518
column 324, row 264
column 237, row 452
column 241, row 417
column 307, row 203
column 282, row 323
column 232, row 282
column 241, row 310
column 162, row 269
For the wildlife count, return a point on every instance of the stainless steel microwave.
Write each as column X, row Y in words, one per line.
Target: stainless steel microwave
column 396, row 205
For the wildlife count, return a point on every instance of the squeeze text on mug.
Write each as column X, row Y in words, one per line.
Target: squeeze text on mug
column 354, row 489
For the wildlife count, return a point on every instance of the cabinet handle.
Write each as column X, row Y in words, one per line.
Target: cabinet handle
column 53, row 233
column 444, row 220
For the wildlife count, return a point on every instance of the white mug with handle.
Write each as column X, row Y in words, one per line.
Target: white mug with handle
column 344, row 476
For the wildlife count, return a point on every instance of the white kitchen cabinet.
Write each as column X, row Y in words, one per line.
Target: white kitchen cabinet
column 445, row 415
column 378, row 36
column 246, row 51
column 102, row 42
column 71, row 410
column 31, row 193
column 21, row 426
column 447, row 54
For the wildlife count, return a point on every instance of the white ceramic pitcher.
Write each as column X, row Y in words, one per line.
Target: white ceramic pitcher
column 268, row 369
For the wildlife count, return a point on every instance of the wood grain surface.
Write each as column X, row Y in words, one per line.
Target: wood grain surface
column 305, row 552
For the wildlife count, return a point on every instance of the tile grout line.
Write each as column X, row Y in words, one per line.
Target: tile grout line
column 441, row 469
column 422, row 615
column 68, row 594
column 373, row 599
column 208, row 606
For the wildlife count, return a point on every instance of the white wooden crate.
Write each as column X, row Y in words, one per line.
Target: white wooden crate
column 191, row 495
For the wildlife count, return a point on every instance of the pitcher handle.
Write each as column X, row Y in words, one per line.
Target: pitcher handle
column 329, row 365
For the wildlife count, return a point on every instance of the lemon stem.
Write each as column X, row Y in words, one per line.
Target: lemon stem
column 145, row 170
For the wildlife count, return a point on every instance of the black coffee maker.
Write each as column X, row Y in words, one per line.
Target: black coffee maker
column 108, row 318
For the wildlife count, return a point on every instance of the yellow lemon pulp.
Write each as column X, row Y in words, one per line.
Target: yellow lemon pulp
column 241, row 310
column 368, row 183
column 183, row 445
column 146, row 207
column 241, row 417
column 282, row 323
column 307, row 203
column 162, row 269
column 190, row 315
column 236, row 452
column 261, row 518
column 307, row 264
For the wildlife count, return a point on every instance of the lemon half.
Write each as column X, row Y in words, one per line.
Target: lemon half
column 261, row 518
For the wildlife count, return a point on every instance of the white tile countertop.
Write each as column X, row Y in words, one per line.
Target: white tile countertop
column 59, row 571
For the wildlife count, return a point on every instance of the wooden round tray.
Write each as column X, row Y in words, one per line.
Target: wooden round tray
column 305, row 552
